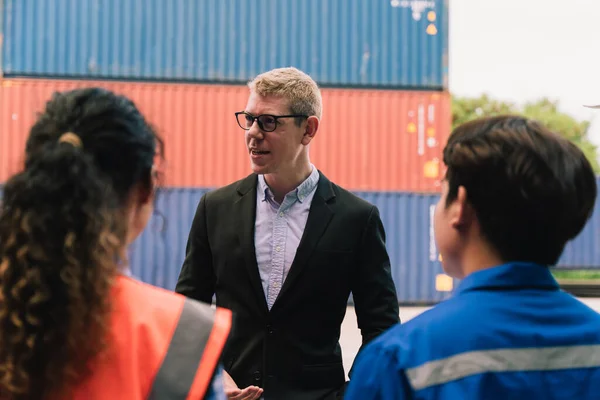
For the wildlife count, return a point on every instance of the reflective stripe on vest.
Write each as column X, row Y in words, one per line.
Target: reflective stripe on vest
column 505, row 360
column 193, row 353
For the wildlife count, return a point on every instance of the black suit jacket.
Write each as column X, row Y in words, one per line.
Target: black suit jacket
column 292, row 350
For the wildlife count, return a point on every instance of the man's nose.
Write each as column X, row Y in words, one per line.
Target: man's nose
column 255, row 132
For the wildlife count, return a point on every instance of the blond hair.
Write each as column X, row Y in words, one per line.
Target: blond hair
column 297, row 87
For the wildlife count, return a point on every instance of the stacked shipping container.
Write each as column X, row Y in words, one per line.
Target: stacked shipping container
column 375, row 43
column 363, row 143
column 382, row 65
column 407, row 217
column 158, row 254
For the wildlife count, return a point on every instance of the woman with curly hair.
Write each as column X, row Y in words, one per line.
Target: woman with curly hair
column 72, row 324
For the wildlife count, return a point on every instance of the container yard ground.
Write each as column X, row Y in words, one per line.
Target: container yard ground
column 351, row 339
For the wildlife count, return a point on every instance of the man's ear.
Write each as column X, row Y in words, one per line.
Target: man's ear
column 312, row 126
column 461, row 213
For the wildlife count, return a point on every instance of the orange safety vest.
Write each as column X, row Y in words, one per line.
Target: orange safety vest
column 162, row 346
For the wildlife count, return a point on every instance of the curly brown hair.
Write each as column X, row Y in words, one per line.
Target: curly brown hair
column 61, row 238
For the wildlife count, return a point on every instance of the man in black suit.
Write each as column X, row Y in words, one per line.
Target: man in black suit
column 284, row 248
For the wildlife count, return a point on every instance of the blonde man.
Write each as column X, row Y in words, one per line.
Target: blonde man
column 284, row 248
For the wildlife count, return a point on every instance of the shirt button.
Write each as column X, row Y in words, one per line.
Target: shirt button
column 278, row 248
column 281, row 214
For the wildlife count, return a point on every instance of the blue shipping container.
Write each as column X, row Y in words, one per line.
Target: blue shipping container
column 375, row 43
column 156, row 257
column 583, row 252
column 408, row 220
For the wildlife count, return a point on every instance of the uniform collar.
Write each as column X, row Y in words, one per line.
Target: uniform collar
column 300, row 193
column 510, row 275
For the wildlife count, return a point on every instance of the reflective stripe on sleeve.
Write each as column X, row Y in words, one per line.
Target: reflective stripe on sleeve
column 505, row 360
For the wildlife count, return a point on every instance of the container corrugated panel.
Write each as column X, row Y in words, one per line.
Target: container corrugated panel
column 399, row 43
column 157, row 256
column 381, row 140
column 584, row 251
column 204, row 145
column 378, row 140
column 408, row 222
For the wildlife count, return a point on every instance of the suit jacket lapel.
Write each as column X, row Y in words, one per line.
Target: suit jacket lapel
column 318, row 219
column 245, row 209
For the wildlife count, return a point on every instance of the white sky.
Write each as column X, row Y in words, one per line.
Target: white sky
column 520, row 50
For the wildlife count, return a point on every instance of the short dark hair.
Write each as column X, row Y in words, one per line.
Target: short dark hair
column 531, row 189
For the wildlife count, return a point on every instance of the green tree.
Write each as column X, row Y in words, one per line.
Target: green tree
column 544, row 110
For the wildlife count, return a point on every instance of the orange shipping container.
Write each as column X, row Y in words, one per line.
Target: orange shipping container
column 369, row 139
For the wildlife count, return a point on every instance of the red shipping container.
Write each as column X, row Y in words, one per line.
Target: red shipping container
column 383, row 140
column 369, row 139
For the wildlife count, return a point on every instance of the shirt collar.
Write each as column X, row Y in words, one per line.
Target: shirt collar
column 300, row 193
column 510, row 275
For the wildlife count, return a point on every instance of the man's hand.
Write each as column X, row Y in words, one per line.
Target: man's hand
column 233, row 392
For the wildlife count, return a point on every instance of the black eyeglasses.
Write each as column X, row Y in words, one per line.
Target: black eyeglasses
column 266, row 122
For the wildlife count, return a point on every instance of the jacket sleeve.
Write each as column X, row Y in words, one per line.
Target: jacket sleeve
column 377, row 376
column 373, row 290
column 197, row 276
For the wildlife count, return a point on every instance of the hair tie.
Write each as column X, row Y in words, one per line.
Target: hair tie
column 71, row 138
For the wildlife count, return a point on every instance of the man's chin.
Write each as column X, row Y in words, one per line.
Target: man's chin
column 260, row 169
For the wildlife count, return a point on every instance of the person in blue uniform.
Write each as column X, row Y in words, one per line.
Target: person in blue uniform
column 514, row 194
